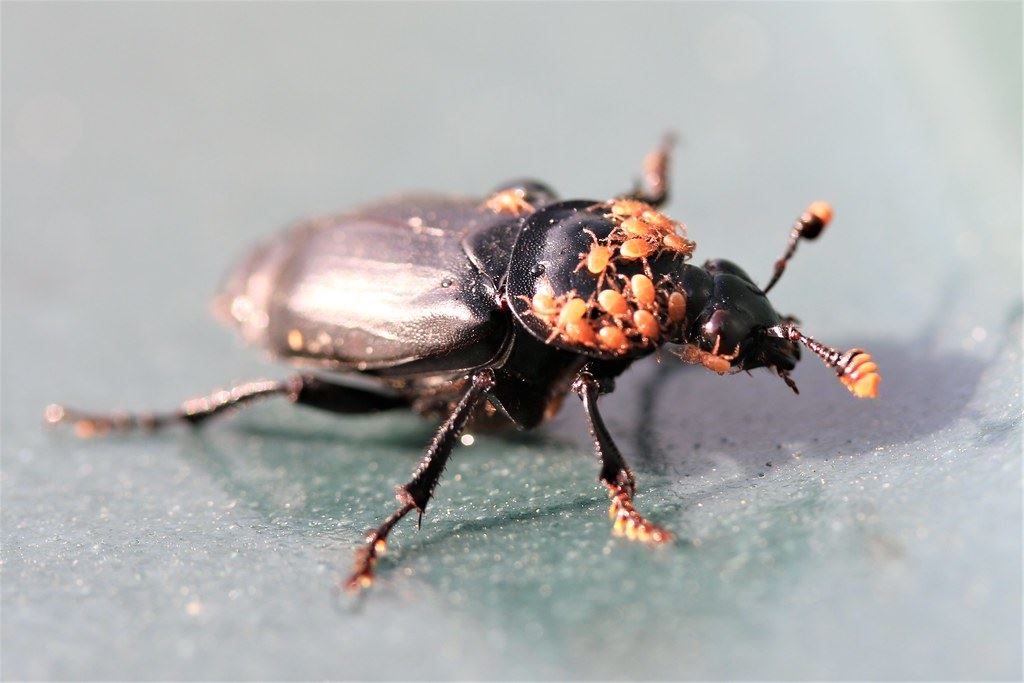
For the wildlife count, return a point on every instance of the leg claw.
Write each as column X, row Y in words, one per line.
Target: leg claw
column 362, row 572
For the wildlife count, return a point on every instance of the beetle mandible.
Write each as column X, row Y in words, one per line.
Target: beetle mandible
column 493, row 311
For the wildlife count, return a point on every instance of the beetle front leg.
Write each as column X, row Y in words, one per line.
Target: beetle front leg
column 615, row 474
column 417, row 492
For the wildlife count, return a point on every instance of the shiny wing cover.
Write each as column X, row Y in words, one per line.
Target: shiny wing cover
column 385, row 288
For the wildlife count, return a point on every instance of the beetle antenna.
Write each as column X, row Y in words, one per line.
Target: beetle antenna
column 809, row 225
column 856, row 370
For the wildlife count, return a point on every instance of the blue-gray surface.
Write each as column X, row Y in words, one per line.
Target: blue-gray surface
column 145, row 145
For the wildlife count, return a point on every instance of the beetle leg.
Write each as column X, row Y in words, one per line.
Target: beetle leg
column 615, row 474
column 303, row 389
column 655, row 174
column 415, row 494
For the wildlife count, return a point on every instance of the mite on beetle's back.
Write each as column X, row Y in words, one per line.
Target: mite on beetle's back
column 494, row 310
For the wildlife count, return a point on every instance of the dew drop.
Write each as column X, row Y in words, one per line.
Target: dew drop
column 446, row 283
column 538, row 270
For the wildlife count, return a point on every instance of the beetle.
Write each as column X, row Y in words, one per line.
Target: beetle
column 491, row 312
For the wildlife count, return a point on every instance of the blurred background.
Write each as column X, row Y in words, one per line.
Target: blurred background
column 146, row 145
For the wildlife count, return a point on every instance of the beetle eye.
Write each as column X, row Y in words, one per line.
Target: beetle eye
column 716, row 324
column 723, row 329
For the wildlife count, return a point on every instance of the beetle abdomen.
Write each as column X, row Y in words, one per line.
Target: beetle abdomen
column 244, row 298
column 377, row 289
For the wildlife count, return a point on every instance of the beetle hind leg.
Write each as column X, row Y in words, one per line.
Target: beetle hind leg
column 193, row 411
column 615, row 473
column 305, row 390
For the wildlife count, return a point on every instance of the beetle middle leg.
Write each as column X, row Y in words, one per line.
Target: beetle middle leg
column 415, row 494
column 307, row 390
column 615, row 473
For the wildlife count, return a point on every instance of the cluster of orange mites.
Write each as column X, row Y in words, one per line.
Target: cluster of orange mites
column 642, row 231
column 624, row 311
column 613, row 320
column 860, row 375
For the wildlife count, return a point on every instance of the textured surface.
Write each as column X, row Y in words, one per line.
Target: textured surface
column 145, row 146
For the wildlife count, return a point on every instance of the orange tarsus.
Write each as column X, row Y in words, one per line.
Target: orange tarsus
column 629, row 523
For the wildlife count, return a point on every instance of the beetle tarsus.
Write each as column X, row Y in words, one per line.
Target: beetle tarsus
column 375, row 546
column 630, row 523
column 87, row 425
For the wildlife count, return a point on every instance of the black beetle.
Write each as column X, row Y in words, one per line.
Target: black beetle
column 493, row 311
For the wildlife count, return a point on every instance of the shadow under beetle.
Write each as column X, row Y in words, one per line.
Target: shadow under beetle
column 491, row 312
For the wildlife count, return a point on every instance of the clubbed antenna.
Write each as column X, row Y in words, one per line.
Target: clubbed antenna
column 809, row 226
column 856, row 370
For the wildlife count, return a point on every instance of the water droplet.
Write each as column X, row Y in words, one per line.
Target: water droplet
column 538, row 270
column 447, row 282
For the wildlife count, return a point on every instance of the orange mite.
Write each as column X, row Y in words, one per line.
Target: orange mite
column 598, row 258
column 658, row 220
column 647, row 324
column 643, row 289
column 572, row 311
column 612, row 338
column 676, row 307
column 580, row 332
column 613, row 302
column 635, row 248
column 636, row 227
column 629, row 207
column 508, row 201
column 544, row 304
column 674, row 242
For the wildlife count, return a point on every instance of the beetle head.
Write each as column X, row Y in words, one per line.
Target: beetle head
column 727, row 322
column 738, row 329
